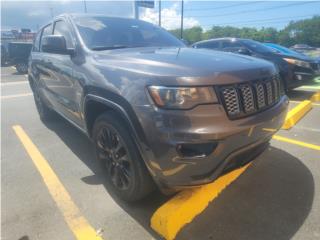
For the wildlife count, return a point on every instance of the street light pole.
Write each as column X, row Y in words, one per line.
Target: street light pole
column 136, row 10
column 181, row 29
column 85, row 6
column 160, row 13
column 51, row 12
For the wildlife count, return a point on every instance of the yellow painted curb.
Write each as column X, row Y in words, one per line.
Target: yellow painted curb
column 182, row 208
column 296, row 114
column 315, row 97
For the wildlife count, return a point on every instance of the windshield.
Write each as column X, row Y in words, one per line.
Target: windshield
column 256, row 46
column 103, row 33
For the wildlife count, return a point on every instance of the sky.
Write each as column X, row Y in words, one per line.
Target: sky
column 277, row 14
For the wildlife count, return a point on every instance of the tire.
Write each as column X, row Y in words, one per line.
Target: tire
column 22, row 67
column 126, row 173
column 45, row 113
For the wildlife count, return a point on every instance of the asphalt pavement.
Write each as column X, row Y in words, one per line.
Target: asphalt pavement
column 277, row 197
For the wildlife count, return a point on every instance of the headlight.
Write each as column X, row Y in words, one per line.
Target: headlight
column 298, row 62
column 182, row 97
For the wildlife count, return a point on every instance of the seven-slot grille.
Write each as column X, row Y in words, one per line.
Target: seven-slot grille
column 246, row 98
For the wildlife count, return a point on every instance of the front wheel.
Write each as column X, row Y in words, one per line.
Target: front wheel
column 126, row 172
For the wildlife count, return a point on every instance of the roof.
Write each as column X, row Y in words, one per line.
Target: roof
column 219, row 39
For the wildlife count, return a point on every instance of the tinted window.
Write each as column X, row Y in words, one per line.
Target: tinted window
column 231, row 44
column 211, row 44
column 46, row 31
column 61, row 28
column 256, row 46
column 101, row 33
column 36, row 43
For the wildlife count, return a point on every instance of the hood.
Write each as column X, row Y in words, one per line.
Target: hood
column 184, row 62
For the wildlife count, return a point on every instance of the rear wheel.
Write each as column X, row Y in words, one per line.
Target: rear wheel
column 22, row 67
column 126, row 172
column 45, row 113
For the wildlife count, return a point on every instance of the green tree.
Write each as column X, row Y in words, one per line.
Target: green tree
column 302, row 31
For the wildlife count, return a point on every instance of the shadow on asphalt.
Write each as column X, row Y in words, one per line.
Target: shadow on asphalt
column 300, row 95
column 271, row 200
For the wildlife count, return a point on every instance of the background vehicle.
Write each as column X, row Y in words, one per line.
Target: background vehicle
column 4, row 55
column 18, row 54
column 156, row 111
column 294, row 73
column 312, row 68
column 302, row 47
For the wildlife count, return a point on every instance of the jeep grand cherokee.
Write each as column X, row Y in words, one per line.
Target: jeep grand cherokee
column 158, row 113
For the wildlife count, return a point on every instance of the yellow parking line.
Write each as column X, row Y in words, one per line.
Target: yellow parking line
column 300, row 143
column 16, row 95
column 76, row 222
column 294, row 115
column 169, row 219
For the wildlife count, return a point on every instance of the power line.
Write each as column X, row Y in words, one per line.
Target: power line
column 256, row 10
column 216, row 8
column 261, row 20
column 246, row 24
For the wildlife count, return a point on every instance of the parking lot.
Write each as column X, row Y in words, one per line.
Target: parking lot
column 277, row 197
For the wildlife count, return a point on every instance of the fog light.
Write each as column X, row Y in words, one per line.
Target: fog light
column 197, row 150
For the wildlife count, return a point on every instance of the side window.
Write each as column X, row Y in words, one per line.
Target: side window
column 36, row 43
column 231, row 46
column 214, row 44
column 61, row 28
column 47, row 30
column 211, row 45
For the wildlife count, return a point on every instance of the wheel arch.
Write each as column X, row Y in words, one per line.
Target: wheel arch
column 97, row 101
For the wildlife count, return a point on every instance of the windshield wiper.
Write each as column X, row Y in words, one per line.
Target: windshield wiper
column 101, row 48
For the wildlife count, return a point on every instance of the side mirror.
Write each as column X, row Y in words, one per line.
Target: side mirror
column 244, row 51
column 55, row 44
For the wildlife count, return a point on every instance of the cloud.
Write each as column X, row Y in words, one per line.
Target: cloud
column 170, row 18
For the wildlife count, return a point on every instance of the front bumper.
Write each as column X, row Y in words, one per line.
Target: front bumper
column 301, row 76
column 166, row 130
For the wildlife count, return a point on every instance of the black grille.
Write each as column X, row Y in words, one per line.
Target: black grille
column 244, row 99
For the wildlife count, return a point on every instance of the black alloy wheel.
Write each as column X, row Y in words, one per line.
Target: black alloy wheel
column 114, row 152
column 126, row 173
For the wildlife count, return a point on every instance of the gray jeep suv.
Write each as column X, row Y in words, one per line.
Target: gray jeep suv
column 158, row 113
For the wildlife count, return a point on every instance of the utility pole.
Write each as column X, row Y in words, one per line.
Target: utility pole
column 85, row 6
column 160, row 13
column 51, row 12
column 136, row 10
column 181, row 29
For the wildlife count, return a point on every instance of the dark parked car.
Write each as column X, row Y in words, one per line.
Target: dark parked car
column 18, row 54
column 293, row 72
column 4, row 55
column 297, row 59
column 158, row 113
column 302, row 47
